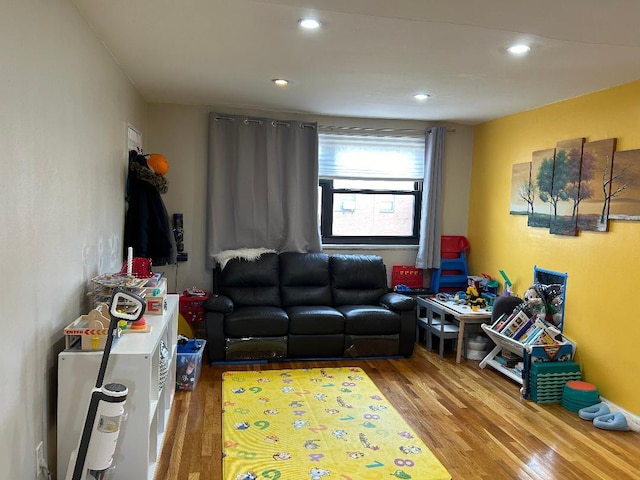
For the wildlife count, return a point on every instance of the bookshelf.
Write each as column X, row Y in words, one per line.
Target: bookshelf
column 145, row 364
column 502, row 343
column 529, row 350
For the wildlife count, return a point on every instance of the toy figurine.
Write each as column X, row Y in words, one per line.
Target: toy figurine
column 474, row 299
column 535, row 302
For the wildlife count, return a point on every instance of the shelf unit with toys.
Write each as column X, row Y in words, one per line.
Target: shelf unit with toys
column 552, row 348
column 146, row 364
column 529, row 339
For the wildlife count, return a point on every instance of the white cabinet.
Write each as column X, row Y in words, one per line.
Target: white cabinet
column 138, row 361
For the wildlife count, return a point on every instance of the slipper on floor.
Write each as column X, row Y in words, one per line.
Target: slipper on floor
column 611, row 421
column 589, row 413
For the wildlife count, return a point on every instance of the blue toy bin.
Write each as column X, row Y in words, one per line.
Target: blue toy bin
column 189, row 363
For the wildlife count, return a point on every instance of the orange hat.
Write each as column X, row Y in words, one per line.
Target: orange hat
column 158, row 163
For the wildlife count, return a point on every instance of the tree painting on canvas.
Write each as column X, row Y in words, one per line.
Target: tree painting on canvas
column 624, row 196
column 522, row 189
column 564, row 194
column 542, row 179
column 595, row 184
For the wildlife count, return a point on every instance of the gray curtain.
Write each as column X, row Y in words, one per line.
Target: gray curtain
column 430, row 221
column 262, row 185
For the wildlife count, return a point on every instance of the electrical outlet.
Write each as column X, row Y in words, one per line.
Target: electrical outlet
column 40, row 462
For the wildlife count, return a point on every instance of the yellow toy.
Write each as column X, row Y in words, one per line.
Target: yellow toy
column 474, row 299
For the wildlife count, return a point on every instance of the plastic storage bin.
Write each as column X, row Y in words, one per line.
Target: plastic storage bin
column 407, row 275
column 191, row 307
column 189, row 364
column 193, row 312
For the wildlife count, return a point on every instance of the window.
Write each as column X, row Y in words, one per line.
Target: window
column 370, row 188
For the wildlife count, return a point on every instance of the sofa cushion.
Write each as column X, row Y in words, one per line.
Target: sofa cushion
column 357, row 279
column 304, row 279
column 252, row 283
column 256, row 322
column 315, row 319
column 369, row 320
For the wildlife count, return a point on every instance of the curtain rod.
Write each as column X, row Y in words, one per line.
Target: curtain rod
column 274, row 123
column 371, row 130
column 340, row 129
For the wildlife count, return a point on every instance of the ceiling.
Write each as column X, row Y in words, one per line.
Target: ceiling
column 371, row 56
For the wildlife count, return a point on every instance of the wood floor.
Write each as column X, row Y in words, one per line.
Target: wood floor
column 473, row 420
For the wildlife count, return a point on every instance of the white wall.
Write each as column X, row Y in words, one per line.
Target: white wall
column 180, row 133
column 64, row 109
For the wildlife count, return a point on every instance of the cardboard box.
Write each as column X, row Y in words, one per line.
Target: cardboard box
column 189, row 364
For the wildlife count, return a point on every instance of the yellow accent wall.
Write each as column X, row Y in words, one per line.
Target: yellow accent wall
column 601, row 312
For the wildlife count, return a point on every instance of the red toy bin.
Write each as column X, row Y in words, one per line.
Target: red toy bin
column 406, row 275
column 452, row 245
column 191, row 307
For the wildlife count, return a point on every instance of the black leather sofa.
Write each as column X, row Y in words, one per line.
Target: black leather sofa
column 307, row 305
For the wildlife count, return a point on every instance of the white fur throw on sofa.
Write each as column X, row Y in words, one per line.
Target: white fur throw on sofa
column 248, row 254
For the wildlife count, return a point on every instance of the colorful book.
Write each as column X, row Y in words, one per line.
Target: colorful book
column 499, row 323
column 525, row 335
column 523, row 329
column 515, row 324
column 533, row 337
column 506, row 320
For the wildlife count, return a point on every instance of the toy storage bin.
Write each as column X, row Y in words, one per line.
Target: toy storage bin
column 407, row 275
column 189, row 364
column 193, row 312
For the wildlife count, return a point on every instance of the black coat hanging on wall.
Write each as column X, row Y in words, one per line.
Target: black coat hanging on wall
column 147, row 227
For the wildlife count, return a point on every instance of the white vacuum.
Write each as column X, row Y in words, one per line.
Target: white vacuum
column 93, row 458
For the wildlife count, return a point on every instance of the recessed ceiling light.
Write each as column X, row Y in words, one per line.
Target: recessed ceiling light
column 309, row 23
column 281, row 82
column 421, row 96
column 519, row 49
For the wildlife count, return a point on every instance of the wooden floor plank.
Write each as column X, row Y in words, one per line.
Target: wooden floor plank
column 473, row 420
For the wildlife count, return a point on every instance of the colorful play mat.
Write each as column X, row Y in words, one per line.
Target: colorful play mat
column 317, row 424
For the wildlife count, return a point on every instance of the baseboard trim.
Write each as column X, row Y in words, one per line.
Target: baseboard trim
column 632, row 420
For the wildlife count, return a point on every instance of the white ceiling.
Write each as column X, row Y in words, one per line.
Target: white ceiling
column 371, row 56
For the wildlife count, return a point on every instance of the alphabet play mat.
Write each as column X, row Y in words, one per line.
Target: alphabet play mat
column 317, row 424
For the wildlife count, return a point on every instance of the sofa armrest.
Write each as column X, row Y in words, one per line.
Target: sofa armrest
column 218, row 303
column 397, row 302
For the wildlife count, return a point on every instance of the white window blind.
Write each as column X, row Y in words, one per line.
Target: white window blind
column 371, row 157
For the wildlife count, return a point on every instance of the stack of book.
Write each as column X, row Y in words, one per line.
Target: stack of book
column 526, row 330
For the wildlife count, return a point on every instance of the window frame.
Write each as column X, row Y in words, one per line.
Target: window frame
column 326, row 215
